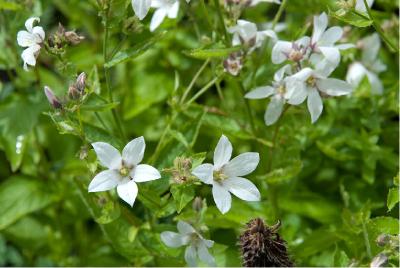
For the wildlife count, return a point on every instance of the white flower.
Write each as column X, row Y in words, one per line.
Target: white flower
column 294, row 51
column 278, row 92
column 196, row 244
column 312, row 83
column 141, row 8
column 246, row 33
column 323, row 41
column 123, row 171
column 369, row 66
column 360, row 6
column 164, row 8
column 225, row 176
column 31, row 39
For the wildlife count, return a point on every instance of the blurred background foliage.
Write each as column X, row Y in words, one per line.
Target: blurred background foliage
column 333, row 184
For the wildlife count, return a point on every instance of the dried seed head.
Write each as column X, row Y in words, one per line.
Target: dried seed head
column 52, row 98
column 261, row 246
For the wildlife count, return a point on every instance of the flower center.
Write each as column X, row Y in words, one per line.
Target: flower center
column 295, row 55
column 281, row 90
column 311, row 81
column 219, row 176
column 124, row 171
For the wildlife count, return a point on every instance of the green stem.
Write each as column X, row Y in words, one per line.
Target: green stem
column 203, row 90
column 221, row 21
column 196, row 76
column 105, row 57
column 278, row 14
column 379, row 29
column 249, row 113
column 366, row 240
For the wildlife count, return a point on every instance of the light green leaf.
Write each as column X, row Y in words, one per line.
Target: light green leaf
column 393, row 198
column 204, row 54
column 182, row 194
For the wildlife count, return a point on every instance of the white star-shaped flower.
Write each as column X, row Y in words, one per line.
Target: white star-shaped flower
column 196, row 244
column 225, row 176
column 246, row 33
column 31, row 39
column 165, row 8
column 123, row 171
column 278, row 92
column 369, row 66
column 323, row 41
column 312, row 82
column 294, row 51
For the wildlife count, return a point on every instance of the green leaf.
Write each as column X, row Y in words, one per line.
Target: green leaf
column 179, row 137
column 20, row 196
column 99, row 107
column 284, row 174
column 385, row 225
column 393, row 198
column 182, row 194
column 7, row 5
column 204, row 54
column 358, row 20
column 134, row 52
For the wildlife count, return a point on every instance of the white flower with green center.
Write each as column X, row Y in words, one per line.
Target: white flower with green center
column 197, row 246
column 31, row 39
column 123, row 171
column 225, row 175
column 278, row 91
column 309, row 84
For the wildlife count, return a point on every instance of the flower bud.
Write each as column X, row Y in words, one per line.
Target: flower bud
column 73, row 92
column 233, row 64
column 73, row 38
column 382, row 240
column 52, row 98
column 80, row 83
column 379, row 260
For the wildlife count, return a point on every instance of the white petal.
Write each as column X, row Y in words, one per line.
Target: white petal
column 278, row 76
column 371, row 46
column 173, row 239
column 360, row 6
column 320, row 24
column 355, row 73
column 376, row 84
column 28, row 55
column 185, row 228
column 157, row 18
column 222, row 197
column 173, row 10
column 334, row 87
column 242, row 164
column 133, row 152
column 39, row 34
column 242, row 188
column 332, row 54
column 280, row 51
column 29, row 23
column 296, row 91
column 260, row 92
column 25, row 39
column 141, row 8
column 331, row 36
column 190, row 256
column 108, row 156
column 104, row 181
column 204, row 172
column 314, row 104
column 303, row 74
column 222, row 152
column 345, row 46
column 204, row 255
column 128, row 192
column 274, row 110
column 144, row 172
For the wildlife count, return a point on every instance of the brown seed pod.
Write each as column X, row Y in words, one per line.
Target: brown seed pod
column 261, row 246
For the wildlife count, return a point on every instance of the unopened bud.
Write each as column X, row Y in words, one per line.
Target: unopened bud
column 81, row 82
column 233, row 64
column 382, row 240
column 73, row 38
column 379, row 260
column 52, row 98
column 73, row 92
column 197, row 204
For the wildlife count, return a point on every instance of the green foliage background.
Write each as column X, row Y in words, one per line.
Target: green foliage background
column 333, row 184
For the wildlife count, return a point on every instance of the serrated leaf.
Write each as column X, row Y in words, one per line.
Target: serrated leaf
column 133, row 52
column 182, row 195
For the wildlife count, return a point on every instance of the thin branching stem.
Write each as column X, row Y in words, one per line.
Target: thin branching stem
column 195, row 77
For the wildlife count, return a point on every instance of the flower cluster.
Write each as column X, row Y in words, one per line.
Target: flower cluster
column 311, row 61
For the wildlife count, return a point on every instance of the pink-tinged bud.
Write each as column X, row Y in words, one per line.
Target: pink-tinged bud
column 73, row 92
column 81, row 82
column 52, row 98
column 234, row 63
